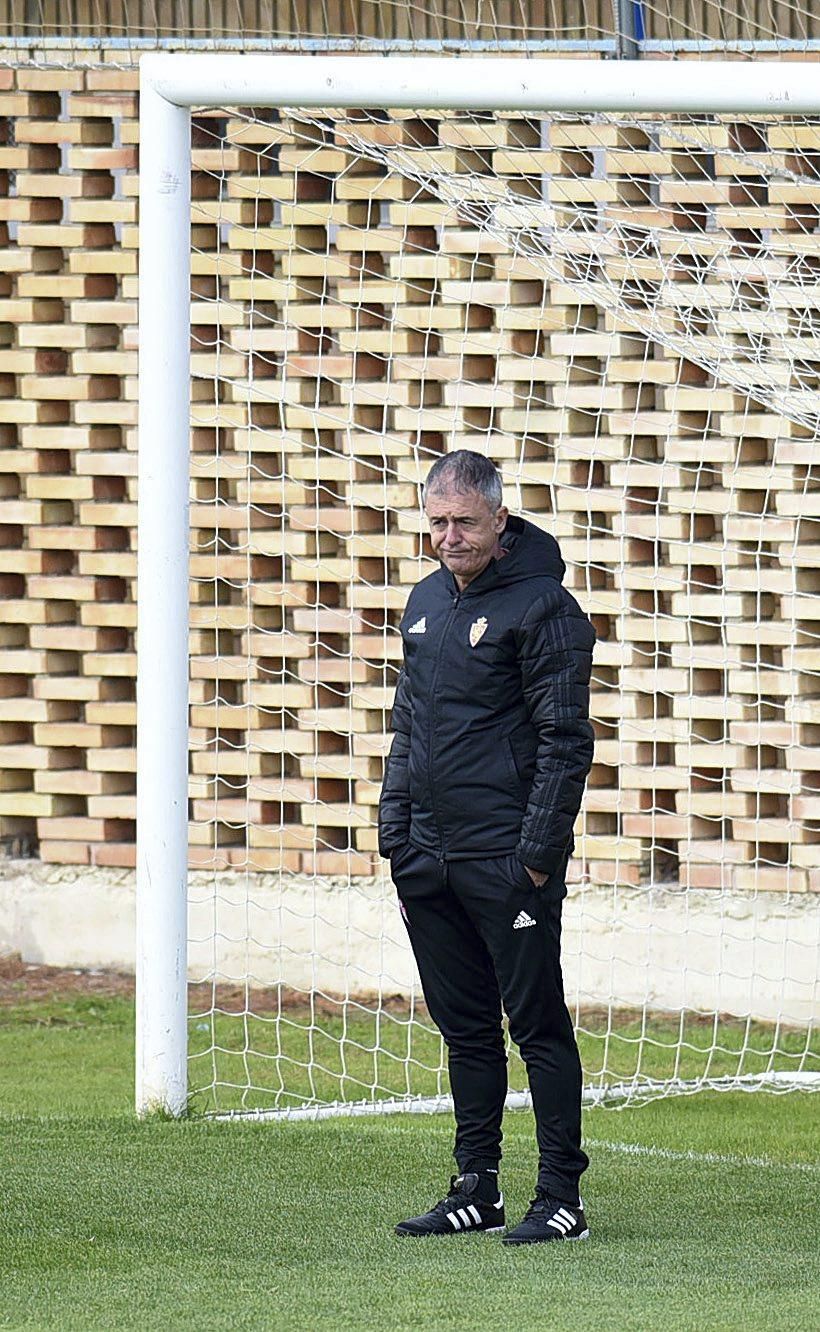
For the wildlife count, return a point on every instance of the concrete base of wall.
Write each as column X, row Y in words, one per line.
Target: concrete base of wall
column 667, row 949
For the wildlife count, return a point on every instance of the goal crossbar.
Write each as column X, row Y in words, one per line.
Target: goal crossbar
column 171, row 85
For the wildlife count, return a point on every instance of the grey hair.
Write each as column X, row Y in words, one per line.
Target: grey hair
column 464, row 470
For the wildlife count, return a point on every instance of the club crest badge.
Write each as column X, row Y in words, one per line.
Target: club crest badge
column 477, row 629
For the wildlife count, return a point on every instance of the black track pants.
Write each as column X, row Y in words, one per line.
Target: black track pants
column 469, row 930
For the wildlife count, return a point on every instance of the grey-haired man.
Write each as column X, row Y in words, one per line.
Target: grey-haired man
column 482, row 787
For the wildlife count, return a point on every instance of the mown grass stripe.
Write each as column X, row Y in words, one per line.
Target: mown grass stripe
column 699, row 1158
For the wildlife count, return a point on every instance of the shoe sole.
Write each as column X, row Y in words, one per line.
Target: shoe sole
column 548, row 1239
column 443, row 1234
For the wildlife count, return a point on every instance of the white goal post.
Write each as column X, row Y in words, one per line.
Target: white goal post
column 171, row 85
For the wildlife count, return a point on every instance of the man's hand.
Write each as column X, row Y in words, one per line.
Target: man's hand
column 536, row 875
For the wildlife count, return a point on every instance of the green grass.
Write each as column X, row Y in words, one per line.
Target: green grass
column 111, row 1224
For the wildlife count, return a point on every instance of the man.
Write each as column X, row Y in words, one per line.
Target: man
column 482, row 787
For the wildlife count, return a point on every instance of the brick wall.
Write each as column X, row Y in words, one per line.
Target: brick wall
column 686, row 514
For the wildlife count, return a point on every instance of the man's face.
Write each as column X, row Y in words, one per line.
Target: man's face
column 464, row 531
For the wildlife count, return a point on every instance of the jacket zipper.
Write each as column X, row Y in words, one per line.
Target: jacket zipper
column 448, row 622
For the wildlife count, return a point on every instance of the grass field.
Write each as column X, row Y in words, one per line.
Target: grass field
column 704, row 1210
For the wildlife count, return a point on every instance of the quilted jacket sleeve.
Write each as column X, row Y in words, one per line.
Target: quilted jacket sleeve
column 555, row 655
column 394, row 801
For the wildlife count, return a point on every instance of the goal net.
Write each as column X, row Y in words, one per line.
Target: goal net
column 623, row 312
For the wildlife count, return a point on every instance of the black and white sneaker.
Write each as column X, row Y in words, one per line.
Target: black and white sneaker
column 459, row 1212
column 549, row 1219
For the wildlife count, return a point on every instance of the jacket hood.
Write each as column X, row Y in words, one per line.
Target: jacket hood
column 531, row 553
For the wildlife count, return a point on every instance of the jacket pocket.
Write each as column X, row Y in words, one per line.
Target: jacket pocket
column 519, row 788
column 522, row 747
column 509, row 759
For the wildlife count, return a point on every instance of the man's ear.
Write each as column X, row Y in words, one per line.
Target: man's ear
column 501, row 517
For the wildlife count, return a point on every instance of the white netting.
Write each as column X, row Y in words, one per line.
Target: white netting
column 623, row 314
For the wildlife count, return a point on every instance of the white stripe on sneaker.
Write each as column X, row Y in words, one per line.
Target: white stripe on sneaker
column 454, row 1221
column 557, row 1225
column 468, row 1220
column 564, row 1215
column 475, row 1214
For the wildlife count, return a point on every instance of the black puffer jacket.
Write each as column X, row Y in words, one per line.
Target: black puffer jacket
column 492, row 742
